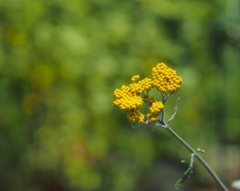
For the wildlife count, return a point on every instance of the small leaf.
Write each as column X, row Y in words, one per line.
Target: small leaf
column 188, row 172
column 185, row 176
column 175, row 111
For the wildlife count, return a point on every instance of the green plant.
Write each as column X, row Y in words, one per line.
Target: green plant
column 132, row 97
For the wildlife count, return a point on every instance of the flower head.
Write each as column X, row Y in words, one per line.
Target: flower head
column 135, row 115
column 165, row 78
column 156, row 107
column 128, row 97
column 131, row 97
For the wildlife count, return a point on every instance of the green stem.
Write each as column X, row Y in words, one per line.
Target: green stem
column 204, row 163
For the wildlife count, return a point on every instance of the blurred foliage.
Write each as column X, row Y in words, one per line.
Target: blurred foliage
column 59, row 64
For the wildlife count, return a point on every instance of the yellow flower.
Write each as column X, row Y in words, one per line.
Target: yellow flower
column 153, row 119
column 156, row 107
column 135, row 78
column 136, row 115
column 130, row 98
column 165, row 78
column 126, row 102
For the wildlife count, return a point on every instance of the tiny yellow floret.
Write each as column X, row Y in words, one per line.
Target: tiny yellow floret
column 153, row 119
column 150, row 99
column 135, row 78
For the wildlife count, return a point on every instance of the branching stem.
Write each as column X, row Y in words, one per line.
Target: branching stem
column 204, row 163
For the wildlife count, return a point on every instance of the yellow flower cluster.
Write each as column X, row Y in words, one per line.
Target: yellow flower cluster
column 156, row 107
column 165, row 78
column 128, row 97
column 152, row 117
column 127, row 102
column 135, row 115
column 154, row 110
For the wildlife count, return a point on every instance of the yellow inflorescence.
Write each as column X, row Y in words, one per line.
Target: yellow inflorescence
column 127, row 98
column 165, row 78
column 135, row 115
column 128, row 102
column 156, row 107
column 131, row 97
column 135, row 78
column 154, row 110
column 152, row 117
column 146, row 84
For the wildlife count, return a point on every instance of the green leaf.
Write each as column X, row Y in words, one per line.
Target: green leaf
column 188, row 172
column 185, row 176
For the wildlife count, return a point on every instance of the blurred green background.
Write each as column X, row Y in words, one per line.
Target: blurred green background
column 59, row 64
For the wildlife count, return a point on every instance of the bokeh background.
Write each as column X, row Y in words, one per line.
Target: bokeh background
column 59, row 64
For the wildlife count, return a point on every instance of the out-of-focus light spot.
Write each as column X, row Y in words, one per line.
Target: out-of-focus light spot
column 16, row 35
column 42, row 76
column 31, row 103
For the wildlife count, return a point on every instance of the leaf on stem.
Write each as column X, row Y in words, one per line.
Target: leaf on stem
column 187, row 173
column 175, row 111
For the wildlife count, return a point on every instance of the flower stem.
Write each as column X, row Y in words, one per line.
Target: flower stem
column 204, row 163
